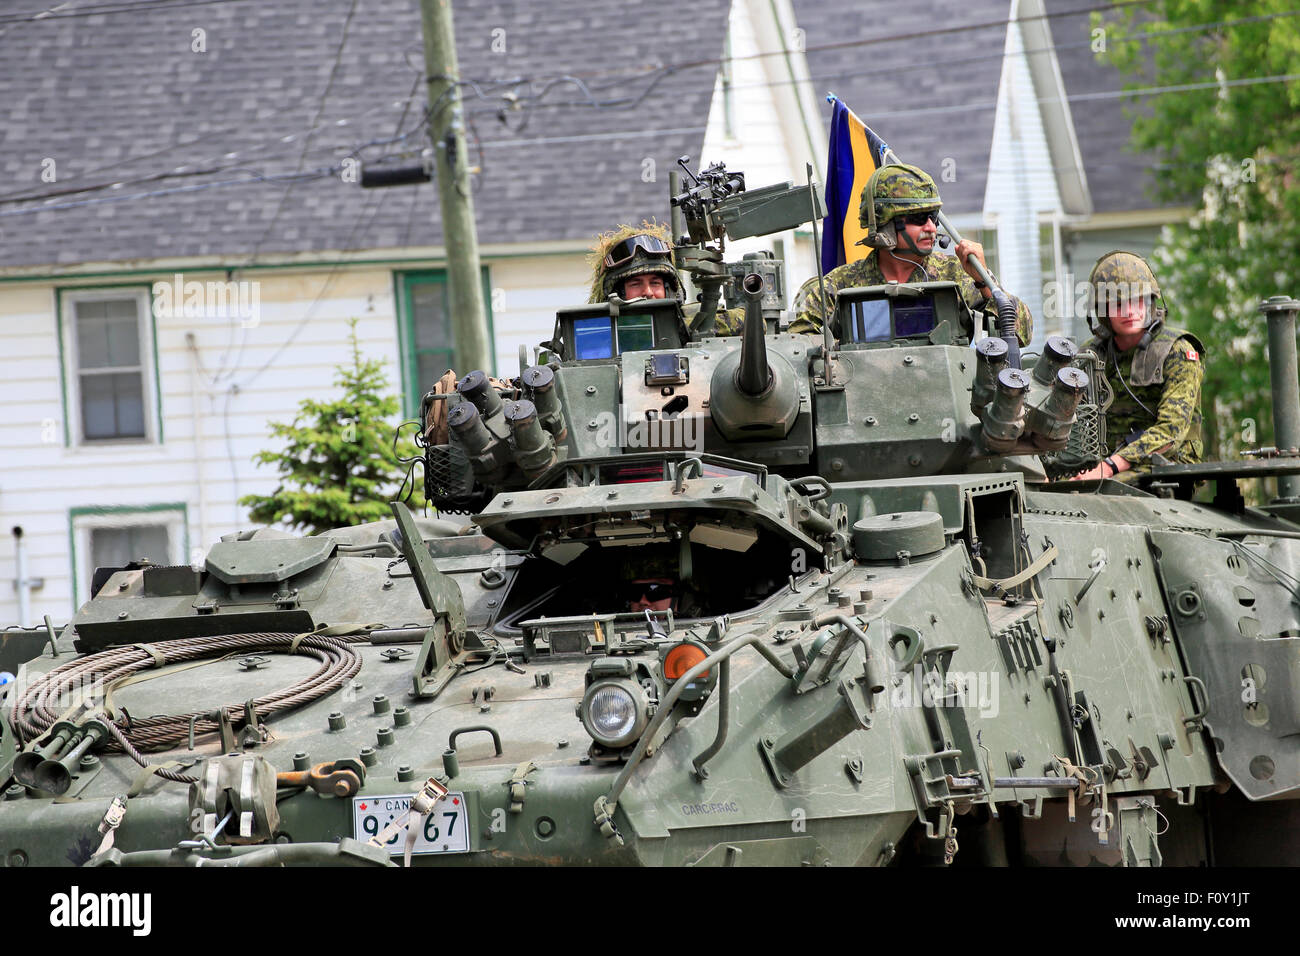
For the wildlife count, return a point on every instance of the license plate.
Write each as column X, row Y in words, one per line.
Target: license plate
column 445, row 830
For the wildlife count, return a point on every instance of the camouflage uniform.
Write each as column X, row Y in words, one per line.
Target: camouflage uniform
column 1165, row 376
column 895, row 190
column 1157, row 383
column 936, row 268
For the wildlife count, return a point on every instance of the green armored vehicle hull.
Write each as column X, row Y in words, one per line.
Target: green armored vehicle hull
column 890, row 639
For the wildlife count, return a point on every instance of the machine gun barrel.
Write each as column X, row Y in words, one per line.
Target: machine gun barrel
column 754, row 376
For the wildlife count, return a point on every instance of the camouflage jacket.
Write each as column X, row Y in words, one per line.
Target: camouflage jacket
column 1157, row 405
column 937, row 268
column 726, row 321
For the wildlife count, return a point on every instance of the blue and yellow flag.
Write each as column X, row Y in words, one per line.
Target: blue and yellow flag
column 855, row 153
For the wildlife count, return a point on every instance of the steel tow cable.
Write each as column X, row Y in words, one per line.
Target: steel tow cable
column 45, row 698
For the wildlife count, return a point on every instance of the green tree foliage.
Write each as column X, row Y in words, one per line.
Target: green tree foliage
column 1225, row 124
column 337, row 466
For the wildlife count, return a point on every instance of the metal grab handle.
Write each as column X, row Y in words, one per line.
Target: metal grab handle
column 680, row 473
column 1092, row 579
column 610, row 801
column 496, row 737
column 823, row 486
column 1195, row 720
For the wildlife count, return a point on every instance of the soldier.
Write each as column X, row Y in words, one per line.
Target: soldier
column 650, row 583
column 636, row 262
column 1155, row 371
column 897, row 210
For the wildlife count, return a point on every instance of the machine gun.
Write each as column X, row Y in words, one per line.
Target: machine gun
column 717, row 207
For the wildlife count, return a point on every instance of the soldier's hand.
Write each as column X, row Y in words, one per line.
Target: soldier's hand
column 969, row 247
column 1091, row 474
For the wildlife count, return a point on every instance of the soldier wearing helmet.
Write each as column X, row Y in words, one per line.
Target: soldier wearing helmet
column 897, row 210
column 1154, row 370
column 636, row 262
column 650, row 580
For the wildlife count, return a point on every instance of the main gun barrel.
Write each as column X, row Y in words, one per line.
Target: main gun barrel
column 754, row 377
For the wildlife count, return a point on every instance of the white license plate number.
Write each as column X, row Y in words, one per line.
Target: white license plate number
column 445, row 830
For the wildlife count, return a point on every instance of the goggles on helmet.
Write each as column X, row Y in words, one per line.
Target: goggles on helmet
column 624, row 250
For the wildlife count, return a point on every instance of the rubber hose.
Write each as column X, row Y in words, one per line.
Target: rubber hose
column 1007, row 325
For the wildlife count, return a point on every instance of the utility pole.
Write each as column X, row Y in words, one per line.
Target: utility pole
column 451, row 170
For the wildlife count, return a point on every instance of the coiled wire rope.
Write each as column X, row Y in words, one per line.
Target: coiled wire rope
column 46, row 699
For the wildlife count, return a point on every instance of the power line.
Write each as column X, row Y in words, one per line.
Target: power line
column 351, row 246
column 307, row 176
column 109, row 9
column 184, row 169
column 1023, row 52
column 320, row 110
column 657, row 76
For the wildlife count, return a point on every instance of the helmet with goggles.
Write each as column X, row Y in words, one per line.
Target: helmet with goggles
column 631, row 251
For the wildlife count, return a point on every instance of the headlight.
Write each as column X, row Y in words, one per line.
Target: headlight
column 615, row 712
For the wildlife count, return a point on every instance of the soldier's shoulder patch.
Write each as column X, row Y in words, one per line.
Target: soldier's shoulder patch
column 1192, row 354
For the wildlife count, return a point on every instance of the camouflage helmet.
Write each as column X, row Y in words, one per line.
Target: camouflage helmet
column 647, row 563
column 606, row 280
column 1119, row 277
column 894, row 190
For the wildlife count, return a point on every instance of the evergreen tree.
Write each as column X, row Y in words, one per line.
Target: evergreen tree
column 337, row 467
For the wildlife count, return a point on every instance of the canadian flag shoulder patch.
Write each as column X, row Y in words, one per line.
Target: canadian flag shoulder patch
column 1192, row 355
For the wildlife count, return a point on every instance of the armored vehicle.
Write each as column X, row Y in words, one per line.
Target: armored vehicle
column 758, row 599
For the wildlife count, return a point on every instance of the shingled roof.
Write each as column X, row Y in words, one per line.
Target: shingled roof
column 923, row 74
column 124, row 98
column 1119, row 178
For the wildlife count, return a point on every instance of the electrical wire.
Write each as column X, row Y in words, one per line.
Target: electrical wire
column 253, row 180
column 1142, row 37
column 109, row 9
column 320, row 111
column 184, row 170
column 534, row 101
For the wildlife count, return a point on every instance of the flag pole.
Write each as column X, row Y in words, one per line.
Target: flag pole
column 828, row 341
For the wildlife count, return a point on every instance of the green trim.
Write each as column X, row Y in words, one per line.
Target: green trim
column 157, row 373
column 82, row 511
column 403, row 369
column 153, row 339
column 63, row 370
column 412, row 388
column 420, row 262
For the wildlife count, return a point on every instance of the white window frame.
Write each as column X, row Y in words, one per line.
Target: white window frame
column 68, row 299
column 171, row 517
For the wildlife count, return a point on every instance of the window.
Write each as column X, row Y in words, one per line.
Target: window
column 112, row 537
column 115, row 547
column 424, row 322
column 594, row 337
column 108, row 350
